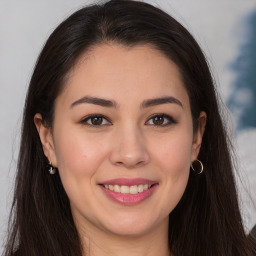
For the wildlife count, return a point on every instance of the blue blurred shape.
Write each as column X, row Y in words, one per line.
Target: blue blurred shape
column 242, row 101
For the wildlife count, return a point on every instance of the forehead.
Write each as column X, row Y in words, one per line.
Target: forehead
column 110, row 70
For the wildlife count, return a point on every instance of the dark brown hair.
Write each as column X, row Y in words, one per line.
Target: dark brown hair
column 207, row 219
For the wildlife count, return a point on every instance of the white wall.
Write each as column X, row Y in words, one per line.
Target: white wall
column 24, row 27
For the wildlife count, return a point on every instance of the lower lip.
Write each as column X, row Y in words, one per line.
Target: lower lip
column 129, row 199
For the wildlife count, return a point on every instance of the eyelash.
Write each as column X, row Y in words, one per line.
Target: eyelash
column 168, row 120
column 90, row 117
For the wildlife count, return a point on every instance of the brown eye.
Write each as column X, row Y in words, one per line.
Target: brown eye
column 158, row 120
column 161, row 120
column 95, row 120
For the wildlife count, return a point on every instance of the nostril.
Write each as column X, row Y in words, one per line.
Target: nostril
column 129, row 158
column 140, row 162
column 120, row 163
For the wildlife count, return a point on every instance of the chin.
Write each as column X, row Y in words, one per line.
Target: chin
column 134, row 225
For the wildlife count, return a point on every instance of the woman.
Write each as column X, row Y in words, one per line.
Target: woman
column 122, row 112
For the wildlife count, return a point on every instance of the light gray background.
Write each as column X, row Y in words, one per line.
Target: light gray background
column 26, row 24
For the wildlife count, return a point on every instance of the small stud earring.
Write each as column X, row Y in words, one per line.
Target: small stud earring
column 52, row 170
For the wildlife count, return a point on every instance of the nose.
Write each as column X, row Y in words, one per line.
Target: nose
column 129, row 149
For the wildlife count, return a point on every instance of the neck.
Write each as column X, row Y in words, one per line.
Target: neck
column 101, row 243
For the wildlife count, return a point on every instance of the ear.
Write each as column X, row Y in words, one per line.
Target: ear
column 46, row 138
column 198, row 136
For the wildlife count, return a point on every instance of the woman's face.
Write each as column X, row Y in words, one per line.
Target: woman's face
column 123, row 139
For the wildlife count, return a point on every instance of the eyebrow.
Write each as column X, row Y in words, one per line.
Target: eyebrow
column 95, row 101
column 111, row 103
column 160, row 101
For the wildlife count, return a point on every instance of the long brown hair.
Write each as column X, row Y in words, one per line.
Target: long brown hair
column 207, row 219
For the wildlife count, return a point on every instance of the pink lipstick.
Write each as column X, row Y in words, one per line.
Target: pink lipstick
column 128, row 191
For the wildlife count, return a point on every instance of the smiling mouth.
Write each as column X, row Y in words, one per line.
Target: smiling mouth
column 128, row 191
column 123, row 189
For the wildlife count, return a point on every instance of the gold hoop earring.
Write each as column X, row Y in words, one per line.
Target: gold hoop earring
column 52, row 170
column 201, row 166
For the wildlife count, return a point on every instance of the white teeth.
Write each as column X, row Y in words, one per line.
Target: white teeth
column 117, row 188
column 145, row 186
column 140, row 188
column 135, row 189
column 124, row 189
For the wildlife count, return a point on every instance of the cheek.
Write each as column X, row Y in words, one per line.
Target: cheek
column 175, row 154
column 78, row 158
column 173, row 161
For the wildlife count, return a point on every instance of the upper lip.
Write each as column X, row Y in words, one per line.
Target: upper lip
column 128, row 181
